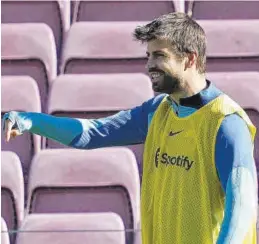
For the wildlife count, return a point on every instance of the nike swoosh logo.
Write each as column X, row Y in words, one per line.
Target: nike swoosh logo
column 174, row 133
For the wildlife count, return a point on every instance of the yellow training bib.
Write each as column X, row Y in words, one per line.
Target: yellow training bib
column 182, row 198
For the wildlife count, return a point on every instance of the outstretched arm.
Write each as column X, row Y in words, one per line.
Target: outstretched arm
column 124, row 128
column 236, row 168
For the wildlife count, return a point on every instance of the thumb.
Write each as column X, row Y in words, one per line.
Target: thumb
column 14, row 133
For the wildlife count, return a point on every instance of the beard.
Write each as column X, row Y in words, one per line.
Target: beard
column 166, row 84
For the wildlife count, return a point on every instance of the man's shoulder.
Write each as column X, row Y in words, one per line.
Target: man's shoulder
column 231, row 123
column 234, row 134
column 154, row 102
column 151, row 106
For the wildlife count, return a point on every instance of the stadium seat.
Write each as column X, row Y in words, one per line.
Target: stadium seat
column 99, row 180
column 56, row 14
column 211, row 9
column 20, row 93
column 243, row 88
column 236, row 51
column 12, row 191
column 97, row 96
column 103, row 47
column 29, row 49
column 101, row 228
column 123, row 10
column 4, row 233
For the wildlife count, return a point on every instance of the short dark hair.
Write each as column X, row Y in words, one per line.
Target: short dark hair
column 185, row 34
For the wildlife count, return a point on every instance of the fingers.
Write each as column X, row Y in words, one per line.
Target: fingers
column 8, row 128
column 8, row 123
column 14, row 133
column 9, row 133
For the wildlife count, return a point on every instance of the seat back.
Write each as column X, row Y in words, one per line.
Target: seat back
column 122, row 10
column 101, row 228
column 56, row 14
column 88, row 49
column 211, row 9
column 29, row 49
column 98, row 96
column 4, row 233
column 243, row 88
column 12, row 191
column 240, row 51
column 100, row 180
column 20, row 93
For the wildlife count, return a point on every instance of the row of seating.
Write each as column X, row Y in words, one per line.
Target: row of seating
column 101, row 180
column 59, row 15
column 80, row 96
column 29, row 49
column 101, row 228
column 76, row 96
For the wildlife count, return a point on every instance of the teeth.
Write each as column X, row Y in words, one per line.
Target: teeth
column 155, row 75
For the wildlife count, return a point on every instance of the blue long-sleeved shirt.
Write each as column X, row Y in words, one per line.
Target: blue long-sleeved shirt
column 234, row 151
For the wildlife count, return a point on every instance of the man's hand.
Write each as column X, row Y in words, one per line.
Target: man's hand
column 9, row 126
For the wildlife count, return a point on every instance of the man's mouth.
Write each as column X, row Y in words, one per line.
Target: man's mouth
column 155, row 75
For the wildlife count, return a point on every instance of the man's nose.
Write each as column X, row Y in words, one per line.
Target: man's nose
column 150, row 64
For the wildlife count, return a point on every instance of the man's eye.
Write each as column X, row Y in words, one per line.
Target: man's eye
column 159, row 55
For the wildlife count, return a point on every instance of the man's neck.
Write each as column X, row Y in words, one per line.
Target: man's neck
column 190, row 88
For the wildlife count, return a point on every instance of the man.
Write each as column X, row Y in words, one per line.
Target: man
column 199, row 183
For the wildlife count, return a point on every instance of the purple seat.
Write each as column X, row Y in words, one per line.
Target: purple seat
column 56, row 14
column 88, row 49
column 117, row 92
column 99, row 180
column 211, row 9
column 4, row 233
column 29, row 49
column 122, row 10
column 243, row 88
column 101, row 228
column 238, row 50
column 20, row 93
column 12, row 191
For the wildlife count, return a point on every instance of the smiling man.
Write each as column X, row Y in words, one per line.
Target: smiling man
column 199, row 182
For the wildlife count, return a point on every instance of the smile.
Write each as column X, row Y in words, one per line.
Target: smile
column 155, row 75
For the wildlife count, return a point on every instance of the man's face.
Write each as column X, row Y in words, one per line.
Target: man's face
column 165, row 70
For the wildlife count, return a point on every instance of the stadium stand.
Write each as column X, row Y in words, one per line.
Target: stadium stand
column 4, row 233
column 100, row 180
column 20, row 93
column 12, row 191
column 101, row 228
column 29, row 49
column 243, row 88
column 236, row 51
column 211, row 9
column 88, row 49
column 122, row 10
column 98, row 60
column 79, row 96
column 56, row 14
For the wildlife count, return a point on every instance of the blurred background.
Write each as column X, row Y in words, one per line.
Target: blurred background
column 78, row 59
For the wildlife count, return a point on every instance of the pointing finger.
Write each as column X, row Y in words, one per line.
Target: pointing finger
column 8, row 128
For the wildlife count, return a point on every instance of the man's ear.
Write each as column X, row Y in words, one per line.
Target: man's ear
column 190, row 60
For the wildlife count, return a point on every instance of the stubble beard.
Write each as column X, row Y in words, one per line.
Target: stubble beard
column 169, row 85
